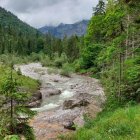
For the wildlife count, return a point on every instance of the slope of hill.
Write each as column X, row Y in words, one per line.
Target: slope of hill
column 78, row 28
column 8, row 19
column 15, row 35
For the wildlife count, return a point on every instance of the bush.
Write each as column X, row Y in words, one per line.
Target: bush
column 77, row 65
column 67, row 69
column 12, row 137
column 35, row 57
column 19, row 71
column 59, row 61
column 46, row 61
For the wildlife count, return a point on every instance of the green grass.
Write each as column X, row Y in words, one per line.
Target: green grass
column 122, row 124
column 12, row 137
column 27, row 83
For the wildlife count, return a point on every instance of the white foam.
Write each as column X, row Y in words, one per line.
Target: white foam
column 66, row 94
column 45, row 107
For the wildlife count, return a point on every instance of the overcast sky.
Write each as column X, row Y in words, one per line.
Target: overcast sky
column 50, row 12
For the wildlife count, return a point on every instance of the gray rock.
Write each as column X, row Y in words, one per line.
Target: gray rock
column 52, row 92
column 34, row 104
column 35, row 100
column 70, row 125
column 70, row 104
column 37, row 95
column 79, row 100
column 55, row 80
column 82, row 95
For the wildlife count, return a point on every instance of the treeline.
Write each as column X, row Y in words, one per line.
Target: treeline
column 68, row 46
column 18, row 38
column 112, row 48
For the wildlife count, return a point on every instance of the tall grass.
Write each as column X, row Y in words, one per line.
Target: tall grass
column 29, row 84
column 122, row 124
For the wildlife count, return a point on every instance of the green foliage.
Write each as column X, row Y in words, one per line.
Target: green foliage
column 12, row 137
column 29, row 84
column 111, row 51
column 100, row 8
column 67, row 70
column 10, row 91
column 59, row 61
column 109, row 54
column 90, row 55
column 26, row 131
column 121, row 124
column 18, row 37
column 78, row 65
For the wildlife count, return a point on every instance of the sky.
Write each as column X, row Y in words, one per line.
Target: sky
column 38, row 13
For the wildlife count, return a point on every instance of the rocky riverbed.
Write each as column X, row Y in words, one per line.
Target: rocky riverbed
column 64, row 101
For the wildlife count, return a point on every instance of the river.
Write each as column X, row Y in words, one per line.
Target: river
column 51, row 117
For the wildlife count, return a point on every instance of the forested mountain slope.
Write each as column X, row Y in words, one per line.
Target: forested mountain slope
column 16, row 36
column 78, row 28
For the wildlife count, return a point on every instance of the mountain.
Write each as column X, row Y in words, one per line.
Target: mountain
column 7, row 19
column 78, row 28
column 15, row 35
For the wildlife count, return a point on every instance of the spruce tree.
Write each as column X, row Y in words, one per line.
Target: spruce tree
column 14, row 107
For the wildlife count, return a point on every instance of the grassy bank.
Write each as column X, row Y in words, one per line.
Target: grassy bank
column 122, row 124
column 27, row 83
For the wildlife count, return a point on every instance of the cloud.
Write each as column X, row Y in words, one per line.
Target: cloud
column 50, row 12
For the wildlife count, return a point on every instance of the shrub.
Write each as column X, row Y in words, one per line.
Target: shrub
column 59, row 61
column 67, row 69
column 35, row 57
column 19, row 71
column 46, row 61
column 12, row 137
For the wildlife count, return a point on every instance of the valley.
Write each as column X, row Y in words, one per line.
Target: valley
column 63, row 77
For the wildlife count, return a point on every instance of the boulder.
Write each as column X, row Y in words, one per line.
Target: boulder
column 82, row 95
column 70, row 125
column 72, row 103
column 34, row 104
column 37, row 95
column 49, row 85
column 35, row 100
column 79, row 100
column 51, row 92
column 55, row 80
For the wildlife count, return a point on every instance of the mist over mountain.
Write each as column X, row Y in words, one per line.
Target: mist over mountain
column 78, row 28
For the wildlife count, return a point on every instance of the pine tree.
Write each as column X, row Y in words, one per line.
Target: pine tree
column 100, row 8
column 14, row 108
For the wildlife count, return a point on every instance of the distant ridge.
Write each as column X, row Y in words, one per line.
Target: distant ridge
column 78, row 28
